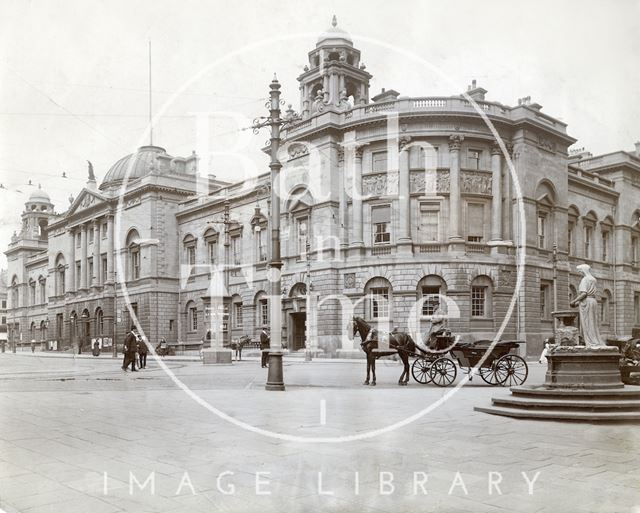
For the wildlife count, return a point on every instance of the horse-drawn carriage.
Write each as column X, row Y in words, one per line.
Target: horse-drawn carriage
column 435, row 363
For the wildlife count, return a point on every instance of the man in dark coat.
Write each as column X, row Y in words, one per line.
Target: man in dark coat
column 142, row 351
column 264, row 346
column 130, row 348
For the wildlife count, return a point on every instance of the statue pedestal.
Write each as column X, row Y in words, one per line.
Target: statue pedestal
column 583, row 367
column 211, row 356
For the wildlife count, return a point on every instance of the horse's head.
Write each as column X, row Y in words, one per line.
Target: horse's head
column 360, row 326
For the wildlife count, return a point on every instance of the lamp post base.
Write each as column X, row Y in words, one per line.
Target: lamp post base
column 275, row 380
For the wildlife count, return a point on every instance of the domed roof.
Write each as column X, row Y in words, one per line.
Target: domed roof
column 335, row 35
column 134, row 165
column 39, row 196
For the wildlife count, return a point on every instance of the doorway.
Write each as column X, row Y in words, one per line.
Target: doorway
column 298, row 330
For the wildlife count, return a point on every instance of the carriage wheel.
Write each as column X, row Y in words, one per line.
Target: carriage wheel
column 420, row 370
column 443, row 372
column 514, row 369
column 493, row 375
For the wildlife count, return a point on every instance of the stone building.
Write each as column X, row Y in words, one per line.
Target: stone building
column 386, row 201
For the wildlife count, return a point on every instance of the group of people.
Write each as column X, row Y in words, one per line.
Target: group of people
column 135, row 351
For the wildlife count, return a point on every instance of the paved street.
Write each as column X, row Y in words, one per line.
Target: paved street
column 76, row 434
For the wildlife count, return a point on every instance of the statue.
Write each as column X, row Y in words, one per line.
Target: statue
column 344, row 102
column 92, row 177
column 586, row 301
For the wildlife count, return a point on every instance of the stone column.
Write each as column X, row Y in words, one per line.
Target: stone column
column 71, row 270
column 404, row 198
column 455, row 142
column 95, row 279
column 83, row 257
column 342, row 216
column 356, row 200
column 496, row 191
column 325, row 86
column 110, row 246
column 508, row 197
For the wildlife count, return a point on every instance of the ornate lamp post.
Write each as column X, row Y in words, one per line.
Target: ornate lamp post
column 275, row 379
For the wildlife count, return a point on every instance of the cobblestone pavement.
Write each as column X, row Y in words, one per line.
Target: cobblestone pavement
column 79, row 434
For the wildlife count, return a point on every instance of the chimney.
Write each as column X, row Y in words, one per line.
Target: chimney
column 638, row 149
column 475, row 92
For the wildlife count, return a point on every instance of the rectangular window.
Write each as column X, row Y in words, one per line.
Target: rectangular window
column 90, row 235
column 381, row 225
column 78, row 240
column 212, row 251
column 544, row 301
column 636, row 308
column 191, row 255
column 635, row 251
column 193, row 314
column 4, row 320
column 303, row 237
column 379, row 161
column 478, row 301
column 171, row 321
column 570, row 231
column 235, row 250
column 262, row 244
column 431, row 300
column 379, row 298
column 605, row 246
column 431, row 158
column 78, row 268
column 89, row 270
column 429, row 223
column 473, row 159
column 238, row 314
column 104, row 269
column 264, row 312
column 135, row 264
column 588, row 234
column 475, row 222
column 4, row 303
column 104, row 230
column 542, row 229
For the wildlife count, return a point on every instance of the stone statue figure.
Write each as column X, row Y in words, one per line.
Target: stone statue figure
column 586, row 301
column 92, row 176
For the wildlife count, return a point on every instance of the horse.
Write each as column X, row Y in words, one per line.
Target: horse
column 238, row 344
column 401, row 342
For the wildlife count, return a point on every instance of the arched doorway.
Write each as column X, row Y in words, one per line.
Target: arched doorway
column 73, row 329
column 84, row 331
column 298, row 317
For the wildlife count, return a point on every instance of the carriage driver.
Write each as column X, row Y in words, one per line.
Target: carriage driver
column 437, row 323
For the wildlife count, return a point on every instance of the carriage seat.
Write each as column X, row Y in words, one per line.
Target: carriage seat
column 483, row 344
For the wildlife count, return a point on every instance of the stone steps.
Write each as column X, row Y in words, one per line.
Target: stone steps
column 578, row 404
column 540, row 414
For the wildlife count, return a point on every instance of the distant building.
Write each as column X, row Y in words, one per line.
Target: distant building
column 436, row 214
column 3, row 307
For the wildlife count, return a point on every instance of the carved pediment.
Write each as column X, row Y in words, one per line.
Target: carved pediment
column 86, row 199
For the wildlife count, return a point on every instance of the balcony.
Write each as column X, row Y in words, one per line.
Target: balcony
column 381, row 250
column 477, row 247
column 430, row 247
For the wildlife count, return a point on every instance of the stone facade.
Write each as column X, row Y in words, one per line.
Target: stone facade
column 384, row 201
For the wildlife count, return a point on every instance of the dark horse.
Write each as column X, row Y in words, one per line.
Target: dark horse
column 237, row 345
column 401, row 342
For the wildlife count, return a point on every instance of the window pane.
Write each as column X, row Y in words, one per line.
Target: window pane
column 379, row 297
column 379, row 161
column 429, row 224
column 431, row 303
column 477, row 301
column 475, row 222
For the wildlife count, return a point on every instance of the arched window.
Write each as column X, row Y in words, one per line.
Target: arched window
column 605, row 307
column 192, row 316
column 133, row 254
column 606, row 236
column 481, row 297
column 236, row 312
column 211, row 240
column 430, row 288
column 259, row 226
column 73, row 324
column 60, row 275
column 189, row 245
column 262, row 309
column 43, row 331
column 298, row 290
column 15, row 293
column 634, row 248
column 99, row 322
column 589, row 226
column 42, row 282
column 32, row 331
column 379, row 297
column 572, row 221
column 32, row 292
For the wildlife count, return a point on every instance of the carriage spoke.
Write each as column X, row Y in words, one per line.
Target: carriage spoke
column 443, row 372
column 514, row 368
column 420, row 370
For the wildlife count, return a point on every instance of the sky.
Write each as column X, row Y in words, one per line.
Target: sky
column 74, row 74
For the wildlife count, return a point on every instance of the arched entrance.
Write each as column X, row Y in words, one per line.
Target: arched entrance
column 85, row 331
column 297, row 317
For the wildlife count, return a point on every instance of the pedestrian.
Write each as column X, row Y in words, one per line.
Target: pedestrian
column 33, row 346
column 96, row 348
column 130, row 349
column 545, row 352
column 143, row 350
column 265, row 340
